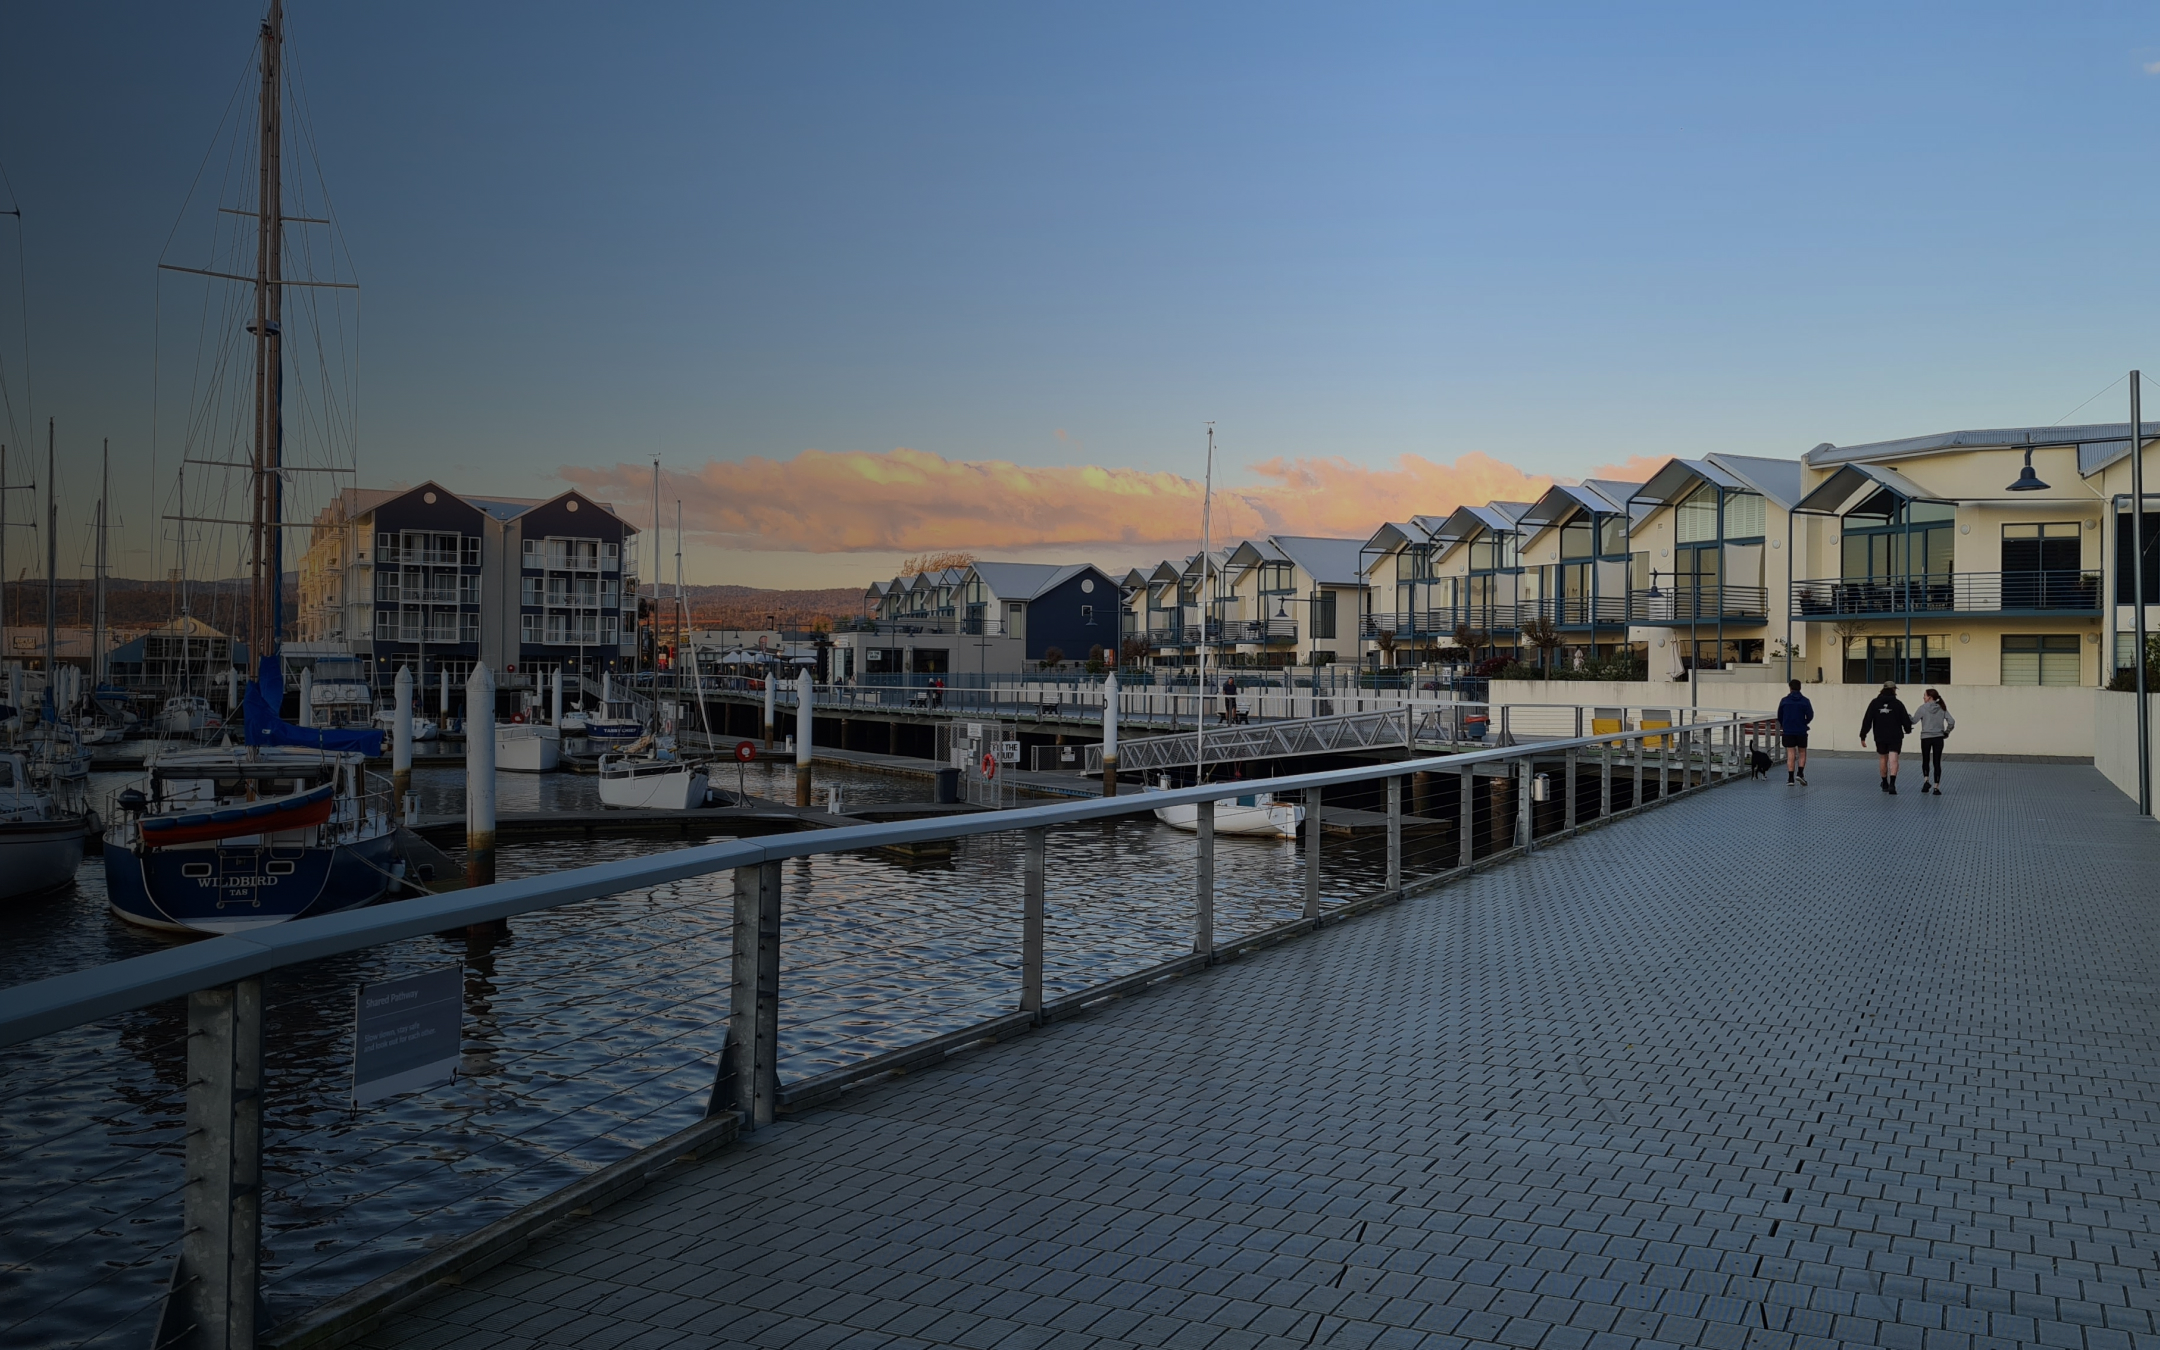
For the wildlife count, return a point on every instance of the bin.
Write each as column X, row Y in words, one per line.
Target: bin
column 948, row 787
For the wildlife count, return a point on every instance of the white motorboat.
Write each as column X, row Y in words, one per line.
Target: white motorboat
column 527, row 747
column 609, row 729
column 1253, row 814
column 423, row 728
column 572, row 724
column 651, row 781
column 41, row 845
column 186, row 715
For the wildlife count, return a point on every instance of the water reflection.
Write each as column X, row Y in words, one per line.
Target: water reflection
column 590, row 1031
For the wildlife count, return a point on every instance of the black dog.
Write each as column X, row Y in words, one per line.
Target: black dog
column 1760, row 762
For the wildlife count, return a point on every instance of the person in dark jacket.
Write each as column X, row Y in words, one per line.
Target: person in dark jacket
column 1887, row 721
column 1794, row 713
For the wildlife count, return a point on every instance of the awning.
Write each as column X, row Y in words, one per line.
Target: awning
column 1833, row 493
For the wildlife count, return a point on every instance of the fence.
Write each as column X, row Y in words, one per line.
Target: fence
column 207, row 1150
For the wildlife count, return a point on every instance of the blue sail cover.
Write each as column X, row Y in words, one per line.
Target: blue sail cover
column 266, row 695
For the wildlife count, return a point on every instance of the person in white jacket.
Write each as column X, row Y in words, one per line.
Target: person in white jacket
column 1933, row 721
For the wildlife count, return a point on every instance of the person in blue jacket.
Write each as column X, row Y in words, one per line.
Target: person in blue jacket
column 1794, row 712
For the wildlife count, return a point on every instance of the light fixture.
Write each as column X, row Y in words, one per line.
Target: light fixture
column 2027, row 480
column 1655, row 593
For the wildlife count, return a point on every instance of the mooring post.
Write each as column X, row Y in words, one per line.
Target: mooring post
column 480, row 777
column 1526, row 787
column 803, row 726
column 770, row 682
column 1204, row 899
column 1636, row 800
column 1570, row 817
column 213, row 1300
column 307, row 696
column 401, row 745
column 754, row 994
column 555, row 699
column 1312, row 853
column 1466, row 805
column 1604, row 796
column 1109, row 735
column 1032, row 865
column 1394, row 833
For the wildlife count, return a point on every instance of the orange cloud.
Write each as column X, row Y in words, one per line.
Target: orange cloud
column 1638, row 469
column 906, row 500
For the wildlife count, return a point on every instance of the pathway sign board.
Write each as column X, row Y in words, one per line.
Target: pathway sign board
column 407, row 1033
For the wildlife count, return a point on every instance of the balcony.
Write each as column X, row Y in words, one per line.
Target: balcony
column 1231, row 632
column 2060, row 592
column 1699, row 604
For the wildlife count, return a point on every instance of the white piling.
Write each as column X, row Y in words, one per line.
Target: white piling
column 401, row 741
column 307, row 698
column 555, row 717
column 480, row 777
column 771, row 679
column 1109, row 735
column 232, row 690
column 802, row 738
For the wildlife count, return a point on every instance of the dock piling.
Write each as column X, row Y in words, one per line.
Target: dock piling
column 770, row 680
column 1109, row 735
column 803, row 725
column 215, row 1287
column 1032, row 866
column 480, row 777
column 754, row 999
column 401, row 743
column 1312, row 853
column 1394, row 833
column 1204, row 888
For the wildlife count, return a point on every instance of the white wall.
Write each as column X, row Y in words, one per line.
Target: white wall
column 2115, row 738
column 1992, row 719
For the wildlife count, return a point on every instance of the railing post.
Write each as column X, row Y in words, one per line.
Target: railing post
column 754, row 996
column 1467, row 809
column 213, row 1299
column 1525, row 822
column 1570, row 816
column 1204, row 896
column 1034, row 843
column 1636, row 800
column 1664, row 764
column 1394, row 833
column 1312, row 853
column 1604, row 801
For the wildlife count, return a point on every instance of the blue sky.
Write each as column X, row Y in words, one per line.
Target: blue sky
column 1558, row 235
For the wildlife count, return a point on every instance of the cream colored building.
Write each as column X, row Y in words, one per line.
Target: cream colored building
column 1715, row 535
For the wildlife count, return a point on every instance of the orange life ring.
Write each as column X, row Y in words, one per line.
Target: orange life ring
column 989, row 764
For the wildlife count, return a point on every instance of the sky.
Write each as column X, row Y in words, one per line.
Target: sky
column 871, row 280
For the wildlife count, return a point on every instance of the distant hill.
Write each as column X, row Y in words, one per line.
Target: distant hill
column 748, row 606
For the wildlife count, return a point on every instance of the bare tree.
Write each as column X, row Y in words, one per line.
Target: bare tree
column 1541, row 634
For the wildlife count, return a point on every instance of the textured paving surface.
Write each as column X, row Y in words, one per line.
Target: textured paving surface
column 1769, row 1068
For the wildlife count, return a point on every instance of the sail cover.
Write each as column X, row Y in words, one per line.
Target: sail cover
column 266, row 694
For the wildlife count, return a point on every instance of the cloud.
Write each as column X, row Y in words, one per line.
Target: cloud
column 1638, row 468
column 2151, row 68
column 909, row 500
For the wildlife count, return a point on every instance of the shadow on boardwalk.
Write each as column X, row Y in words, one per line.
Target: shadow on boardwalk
column 1775, row 1067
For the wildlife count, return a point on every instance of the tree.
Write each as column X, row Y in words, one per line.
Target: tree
column 1386, row 641
column 1132, row 651
column 936, row 562
column 1541, row 634
column 1053, row 657
column 1469, row 639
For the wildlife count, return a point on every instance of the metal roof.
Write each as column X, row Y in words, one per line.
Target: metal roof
column 1831, row 495
column 2099, row 444
column 1563, row 498
column 1778, row 480
column 1333, row 562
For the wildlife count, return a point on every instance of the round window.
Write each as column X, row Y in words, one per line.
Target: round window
column 428, row 497
column 570, row 505
column 1087, row 585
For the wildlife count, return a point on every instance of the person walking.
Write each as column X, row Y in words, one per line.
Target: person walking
column 1887, row 721
column 1794, row 713
column 1229, row 699
column 1935, row 723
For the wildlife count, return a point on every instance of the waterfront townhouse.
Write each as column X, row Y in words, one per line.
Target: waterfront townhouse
column 1982, row 557
column 1716, row 532
column 435, row 580
column 1479, row 563
column 986, row 618
column 1409, row 610
column 1582, row 567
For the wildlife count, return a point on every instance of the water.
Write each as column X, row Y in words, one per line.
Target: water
column 590, row 1031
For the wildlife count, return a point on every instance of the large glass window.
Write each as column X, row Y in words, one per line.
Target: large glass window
column 1745, row 515
column 1923, row 658
column 1887, row 539
column 2042, row 548
column 2125, row 544
column 1577, row 539
column 1613, row 537
column 1695, row 518
column 2040, row 659
column 1323, row 615
column 1492, row 553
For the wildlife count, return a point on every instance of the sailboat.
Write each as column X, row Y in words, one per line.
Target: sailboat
column 41, row 837
column 226, row 839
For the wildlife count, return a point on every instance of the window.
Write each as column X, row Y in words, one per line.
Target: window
column 1612, row 537
column 1323, row 615
column 1876, row 660
column 529, row 627
column 1745, row 515
column 2050, row 659
column 469, row 551
column 1577, row 538
column 468, row 590
column 532, row 590
column 1887, row 538
column 1087, row 615
column 1276, row 576
column 1695, row 518
column 2041, row 548
column 386, row 586
column 468, row 628
column 607, row 627
column 609, row 555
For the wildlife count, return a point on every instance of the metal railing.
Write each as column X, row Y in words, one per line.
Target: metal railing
column 1690, row 604
column 1482, row 806
column 2065, row 591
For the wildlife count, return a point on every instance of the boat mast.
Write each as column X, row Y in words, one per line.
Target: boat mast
column 263, row 582
column 655, row 620
column 1207, row 503
column 97, row 612
column 52, row 572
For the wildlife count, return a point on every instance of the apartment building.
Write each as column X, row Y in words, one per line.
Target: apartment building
column 1719, row 553
column 986, row 618
column 435, row 580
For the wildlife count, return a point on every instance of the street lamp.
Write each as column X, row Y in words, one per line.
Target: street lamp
column 2027, row 480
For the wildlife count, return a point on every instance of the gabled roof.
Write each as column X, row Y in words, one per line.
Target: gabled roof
column 1562, row 500
column 1831, row 495
column 1329, row 562
column 1397, row 534
column 1027, row 581
column 2099, row 444
column 1467, row 521
column 1778, row 480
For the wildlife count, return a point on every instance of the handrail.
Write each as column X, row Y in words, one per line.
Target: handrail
column 61, row 1001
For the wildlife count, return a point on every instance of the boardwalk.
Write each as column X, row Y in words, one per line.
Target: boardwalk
column 1768, row 1068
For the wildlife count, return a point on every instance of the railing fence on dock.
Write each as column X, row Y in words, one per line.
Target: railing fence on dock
column 1440, row 817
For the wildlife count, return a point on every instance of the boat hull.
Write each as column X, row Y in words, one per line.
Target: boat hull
column 39, row 855
column 1279, row 820
column 235, row 886
column 681, row 789
column 527, row 749
column 613, row 731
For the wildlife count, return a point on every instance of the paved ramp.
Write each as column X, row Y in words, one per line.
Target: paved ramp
column 1771, row 1067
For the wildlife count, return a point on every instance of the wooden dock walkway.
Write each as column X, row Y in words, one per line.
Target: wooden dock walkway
column 1774, row 1067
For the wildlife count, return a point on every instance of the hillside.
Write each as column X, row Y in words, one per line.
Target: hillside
column 747, row 606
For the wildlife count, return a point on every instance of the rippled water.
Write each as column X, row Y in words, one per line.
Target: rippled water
column 590, row 1031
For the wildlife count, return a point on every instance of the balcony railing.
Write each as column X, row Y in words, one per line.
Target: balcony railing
column 1233, row 631
column 2061, row 592
column 1698, row 604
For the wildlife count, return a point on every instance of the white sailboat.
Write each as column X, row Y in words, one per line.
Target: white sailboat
column 1253, row 814
column 41, row 845
column 648, row 776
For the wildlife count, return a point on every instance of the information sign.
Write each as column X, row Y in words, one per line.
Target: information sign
column 407, row 1033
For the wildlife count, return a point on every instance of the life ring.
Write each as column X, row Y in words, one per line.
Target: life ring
column 517, row 717
column 989, row 764
column 745, row 751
